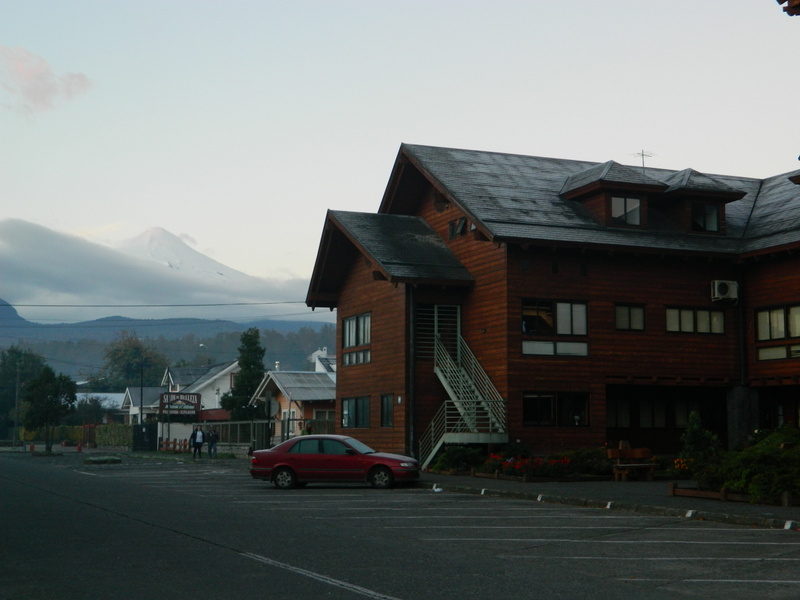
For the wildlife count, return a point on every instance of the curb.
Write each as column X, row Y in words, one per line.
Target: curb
column 645, row 509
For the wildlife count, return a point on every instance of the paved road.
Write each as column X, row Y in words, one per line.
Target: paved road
column 153, row 529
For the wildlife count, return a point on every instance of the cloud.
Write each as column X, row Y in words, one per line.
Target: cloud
column 32, row 84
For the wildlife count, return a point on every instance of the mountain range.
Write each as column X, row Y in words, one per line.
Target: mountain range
column 65, row 299
column 52, row 277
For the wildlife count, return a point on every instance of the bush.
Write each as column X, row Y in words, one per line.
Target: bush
column 764, row 470
column 114, row 434
column 460, row 458
column 589, row 461
column 701, row 454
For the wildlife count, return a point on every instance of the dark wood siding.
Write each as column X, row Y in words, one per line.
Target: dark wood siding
column 385, row 373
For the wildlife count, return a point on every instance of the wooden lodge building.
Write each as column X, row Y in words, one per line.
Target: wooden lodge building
column 562, row 304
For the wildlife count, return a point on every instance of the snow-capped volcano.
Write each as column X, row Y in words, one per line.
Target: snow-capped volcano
column 159, row 245
column 53, row 276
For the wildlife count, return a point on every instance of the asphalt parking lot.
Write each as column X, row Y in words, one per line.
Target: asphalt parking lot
column 141, row 528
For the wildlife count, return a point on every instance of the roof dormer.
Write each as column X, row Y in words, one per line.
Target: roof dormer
column 614, row 194
column 696, row 201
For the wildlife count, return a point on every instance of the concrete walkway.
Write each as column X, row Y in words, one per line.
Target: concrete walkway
column 647, row 497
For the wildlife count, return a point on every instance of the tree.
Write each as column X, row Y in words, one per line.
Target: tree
column 50, row 398
column 17, row 368
column 130, row 363
column 89, row 410
column 251, row 372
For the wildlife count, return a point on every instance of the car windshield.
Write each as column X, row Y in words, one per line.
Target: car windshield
column 360, row 446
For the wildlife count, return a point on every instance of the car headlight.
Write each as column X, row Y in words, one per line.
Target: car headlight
column 408, row 465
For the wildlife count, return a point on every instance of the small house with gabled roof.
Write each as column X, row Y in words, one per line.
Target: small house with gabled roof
column 562, row 304
column 211, row 382
column 301, row 396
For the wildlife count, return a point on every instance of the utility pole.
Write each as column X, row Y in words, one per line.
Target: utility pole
column 16, row 411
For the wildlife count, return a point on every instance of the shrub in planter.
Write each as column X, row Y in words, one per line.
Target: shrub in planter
column 589, row 461
column 460, row 458
column 701, row 454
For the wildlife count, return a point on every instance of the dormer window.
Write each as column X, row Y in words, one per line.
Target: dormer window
column 626, row 211
column 705, row 217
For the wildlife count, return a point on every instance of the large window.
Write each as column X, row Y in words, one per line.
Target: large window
column 355, row 412
column 550, row 319
column 691, row 320
column 356, row 333
column 774, row 324
column 555, row 409
column 626, row 211
column 629, row 317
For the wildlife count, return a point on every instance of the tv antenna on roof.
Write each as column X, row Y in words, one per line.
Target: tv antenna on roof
column 644, row 154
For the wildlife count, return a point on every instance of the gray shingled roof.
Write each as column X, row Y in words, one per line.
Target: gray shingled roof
column 304, row 386
column 690, row 180
column 518, row 198
column 610, row 172
column 405, row 247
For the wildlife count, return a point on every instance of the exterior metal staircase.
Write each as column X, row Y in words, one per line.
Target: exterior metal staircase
column 474, row 413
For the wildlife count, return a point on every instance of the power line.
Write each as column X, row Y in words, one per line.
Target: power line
column 215, row 304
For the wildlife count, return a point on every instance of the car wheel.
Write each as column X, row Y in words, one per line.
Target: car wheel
column 284, row 479
column 381, row 478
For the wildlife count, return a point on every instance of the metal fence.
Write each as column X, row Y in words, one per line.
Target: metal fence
column 264, row 433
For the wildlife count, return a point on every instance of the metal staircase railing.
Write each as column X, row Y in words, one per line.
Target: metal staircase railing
column 475, row 410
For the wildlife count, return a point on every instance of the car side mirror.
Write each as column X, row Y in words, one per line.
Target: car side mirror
column 351, row 452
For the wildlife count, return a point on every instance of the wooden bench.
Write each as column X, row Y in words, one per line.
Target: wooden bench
column 631, row 461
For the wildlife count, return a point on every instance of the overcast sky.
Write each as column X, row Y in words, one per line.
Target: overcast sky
column 236, row 124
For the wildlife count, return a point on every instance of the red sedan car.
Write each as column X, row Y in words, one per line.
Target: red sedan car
column 330, row 459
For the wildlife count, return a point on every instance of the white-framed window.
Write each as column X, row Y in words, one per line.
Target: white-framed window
column 693, row 320
column 553, row 319
column 356, row 333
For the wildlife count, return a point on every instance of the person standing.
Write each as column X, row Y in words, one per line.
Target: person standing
column 196, row 440
column 213, row 438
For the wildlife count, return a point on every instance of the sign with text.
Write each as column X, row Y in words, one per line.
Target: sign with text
column 175, row 403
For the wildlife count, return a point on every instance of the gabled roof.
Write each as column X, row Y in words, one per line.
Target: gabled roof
column 298, row 386
column 609, row 175
column 690, row 181
column 182, row 376
column 534, row 200
column 213, row 372
column 328, row 363
column 401, row 249
column 150, row 396
column 515, row 198
column 193, row 378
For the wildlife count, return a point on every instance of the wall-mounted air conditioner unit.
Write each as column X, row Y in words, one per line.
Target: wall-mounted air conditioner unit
column 724, row 290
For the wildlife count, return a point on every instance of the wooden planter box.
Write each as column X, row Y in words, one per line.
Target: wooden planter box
column 785, row 499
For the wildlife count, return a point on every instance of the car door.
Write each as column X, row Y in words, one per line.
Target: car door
column 342, row 462
column 306, row 460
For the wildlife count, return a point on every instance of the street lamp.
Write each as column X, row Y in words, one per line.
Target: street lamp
column 208, row 356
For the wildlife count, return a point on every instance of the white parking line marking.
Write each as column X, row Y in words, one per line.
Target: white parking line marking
column 653, row 558
column 731, row 581
column 319, row 577
column 591, row 541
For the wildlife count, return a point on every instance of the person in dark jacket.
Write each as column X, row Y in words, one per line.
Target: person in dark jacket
column 212, row 438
